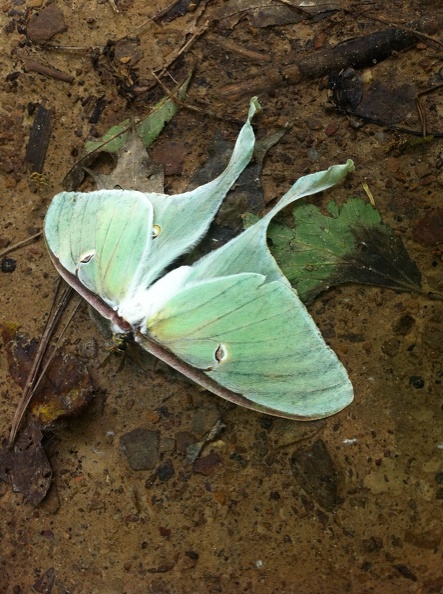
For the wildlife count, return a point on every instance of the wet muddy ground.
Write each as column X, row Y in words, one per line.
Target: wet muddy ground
column 353, row 503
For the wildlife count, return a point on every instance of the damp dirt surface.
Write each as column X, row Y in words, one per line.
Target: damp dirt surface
column 141, row 500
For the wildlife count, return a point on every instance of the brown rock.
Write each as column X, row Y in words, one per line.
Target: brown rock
column 45, row 24
column 207, row 465
column 403, row 325
column 141, row 447
column 428, row 231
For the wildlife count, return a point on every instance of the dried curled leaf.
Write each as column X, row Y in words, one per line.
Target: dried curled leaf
column 25, row 466
column 65, row 389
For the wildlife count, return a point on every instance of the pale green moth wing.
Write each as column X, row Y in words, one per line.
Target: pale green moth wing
column 114, row 243
column 180, row 221
column 100, row 241
column 248, row 252
column 250, row 332
column 256, row 339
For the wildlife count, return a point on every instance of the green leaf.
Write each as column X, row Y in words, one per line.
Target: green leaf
column 112, row 141
column 351, row 245
column 149, row 127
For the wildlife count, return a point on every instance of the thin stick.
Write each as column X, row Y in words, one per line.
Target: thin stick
column 113, row 5
column 53, row 319
column 420, row 109
column 36, row 66
column 54, row 350
column 194, row 32
column 194, row 108
column 20, row 244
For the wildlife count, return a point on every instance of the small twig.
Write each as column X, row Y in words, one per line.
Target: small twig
column 369, row 194
column 35, row 66
column 55, row 348
column 71, row 48
column 421, row 115
column 195, row 32
column 39, row 138
column 113, row 5
column 360, row 53
column 244, row 52
column 53, row 319
column 194, row 108
column 420, row 109
column 20, row 244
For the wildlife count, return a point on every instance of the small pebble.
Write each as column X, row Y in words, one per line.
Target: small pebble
column 207, row 465
column 8, row 264
column 331, row 129
column 141, row 447
column 165, row 471
column 313, row 155
column 417, row 382
column 45, row 24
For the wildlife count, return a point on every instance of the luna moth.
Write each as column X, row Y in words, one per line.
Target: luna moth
column 231, row 321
